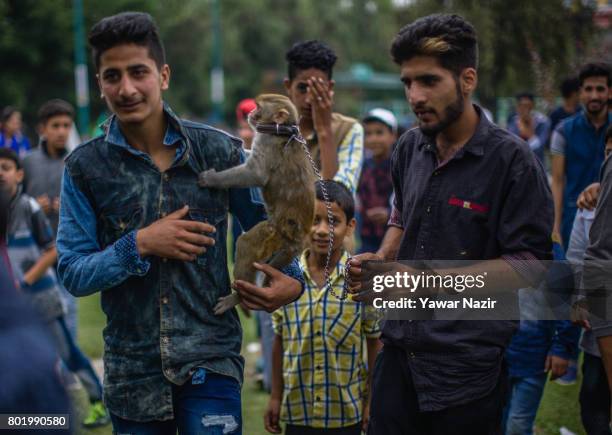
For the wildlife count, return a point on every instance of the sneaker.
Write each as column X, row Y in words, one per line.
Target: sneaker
column 569, row 378
column 97, row 415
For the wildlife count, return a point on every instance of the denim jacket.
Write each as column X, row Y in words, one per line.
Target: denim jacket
column 160, row 324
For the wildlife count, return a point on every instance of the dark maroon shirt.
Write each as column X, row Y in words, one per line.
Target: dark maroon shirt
column 374, row 190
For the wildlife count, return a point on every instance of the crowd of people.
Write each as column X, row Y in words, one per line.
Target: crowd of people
column 122, row 214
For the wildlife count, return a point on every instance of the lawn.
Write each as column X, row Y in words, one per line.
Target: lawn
column 559, row 406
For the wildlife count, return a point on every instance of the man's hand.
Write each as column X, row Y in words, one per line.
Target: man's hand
column 378, row 215
column 588, row 197
column 282, row 290
column 579, row 315
column 557, row 366
column 175, row 238
column 357, row 277
column 365, row 419
column 44, row 202
column 321, row 100
column 272, row 415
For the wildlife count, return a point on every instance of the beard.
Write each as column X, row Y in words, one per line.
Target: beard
column 452, row 112
column 602, row 106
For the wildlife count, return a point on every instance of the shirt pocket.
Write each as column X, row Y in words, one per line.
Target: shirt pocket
column 117, row 222
column 214, row 217
column 343, row 328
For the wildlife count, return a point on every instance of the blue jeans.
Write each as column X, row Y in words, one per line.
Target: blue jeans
column 74, row 359
column 524, row 398
column 209, row 404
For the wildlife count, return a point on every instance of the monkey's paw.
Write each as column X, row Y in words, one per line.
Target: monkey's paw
column 225, row 303
column 207, row 178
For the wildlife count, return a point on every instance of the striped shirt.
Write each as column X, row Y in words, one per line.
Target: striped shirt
column 350, row 158
column 324, row 365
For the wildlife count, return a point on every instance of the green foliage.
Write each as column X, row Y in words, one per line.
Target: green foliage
column 523, row 44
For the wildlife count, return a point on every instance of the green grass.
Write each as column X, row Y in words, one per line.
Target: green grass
column 559, row 406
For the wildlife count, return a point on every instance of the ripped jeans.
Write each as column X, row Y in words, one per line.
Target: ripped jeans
column 208, row 405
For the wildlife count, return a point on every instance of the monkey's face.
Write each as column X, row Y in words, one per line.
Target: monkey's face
column 272, row 108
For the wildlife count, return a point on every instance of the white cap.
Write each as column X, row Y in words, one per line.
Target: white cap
column 382, row 115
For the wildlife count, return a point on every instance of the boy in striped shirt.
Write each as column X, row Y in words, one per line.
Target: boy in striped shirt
column 320, row 378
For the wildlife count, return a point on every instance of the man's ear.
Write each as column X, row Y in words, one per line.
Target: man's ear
column 281, row 116
column 287, row 85
column 19, row 175
column 468, row 80
column 165, row 77
column 331, row 85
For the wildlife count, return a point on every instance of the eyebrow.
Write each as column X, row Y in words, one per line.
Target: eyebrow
column 420, row 77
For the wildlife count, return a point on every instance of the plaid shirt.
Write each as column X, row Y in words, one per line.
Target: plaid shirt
column 324, row 367
column 350, row 158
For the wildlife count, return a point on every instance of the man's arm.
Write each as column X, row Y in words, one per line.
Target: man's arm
column 83, row 267
column 272, row 416
column 46, row 260
column 557, row 146
column 390, row 244
column 350, row 158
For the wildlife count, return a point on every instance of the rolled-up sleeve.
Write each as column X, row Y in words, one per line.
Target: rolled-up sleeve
column 83, row 267
column 350, row 158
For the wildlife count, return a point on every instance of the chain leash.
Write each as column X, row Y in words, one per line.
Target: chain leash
column 330, row 218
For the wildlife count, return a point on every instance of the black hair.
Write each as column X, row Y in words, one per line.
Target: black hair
column 569, row 86
column 338, row 193
column 127, row 28
column 310, row 54
column 527, row 95
column 9, row 154
column 55, row 107
column 6, row 113
column 449, row 38
column 608, row 133
column 595, row 69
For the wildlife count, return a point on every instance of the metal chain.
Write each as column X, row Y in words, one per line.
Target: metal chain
column 330, row 219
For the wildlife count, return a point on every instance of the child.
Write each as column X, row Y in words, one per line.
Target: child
column 43, row 169
column 318, row 370
column 375, row 188
column 31, row 249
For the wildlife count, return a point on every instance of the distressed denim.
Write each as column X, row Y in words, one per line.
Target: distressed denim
column 160, row 322
column 208, row 405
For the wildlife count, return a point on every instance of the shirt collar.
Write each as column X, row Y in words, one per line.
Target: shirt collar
column 475, row 145
column 335, row 274
column 174, row 131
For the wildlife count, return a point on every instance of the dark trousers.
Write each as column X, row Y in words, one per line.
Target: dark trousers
column 292, row 429
column 594, row 397
column 395, row 409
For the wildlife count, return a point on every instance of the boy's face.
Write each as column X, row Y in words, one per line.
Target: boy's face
column 13, row 124
column 319, row 234
column 378, row 138
column 56, row 131
column 608, row 149
column 297, row 89
column 131, row 83
column 10, row 176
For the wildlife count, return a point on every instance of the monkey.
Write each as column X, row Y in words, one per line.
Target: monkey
column 280, row 166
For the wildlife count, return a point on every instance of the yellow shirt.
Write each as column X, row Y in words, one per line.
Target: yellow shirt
column 324, row 354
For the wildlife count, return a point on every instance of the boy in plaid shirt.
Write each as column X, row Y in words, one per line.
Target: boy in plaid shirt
column 319, row 371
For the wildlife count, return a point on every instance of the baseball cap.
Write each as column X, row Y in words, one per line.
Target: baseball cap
column 245, row 107
column 382, row 115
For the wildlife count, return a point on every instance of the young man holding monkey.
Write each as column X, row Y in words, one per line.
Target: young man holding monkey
column 135, row 225
column 464, row 190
